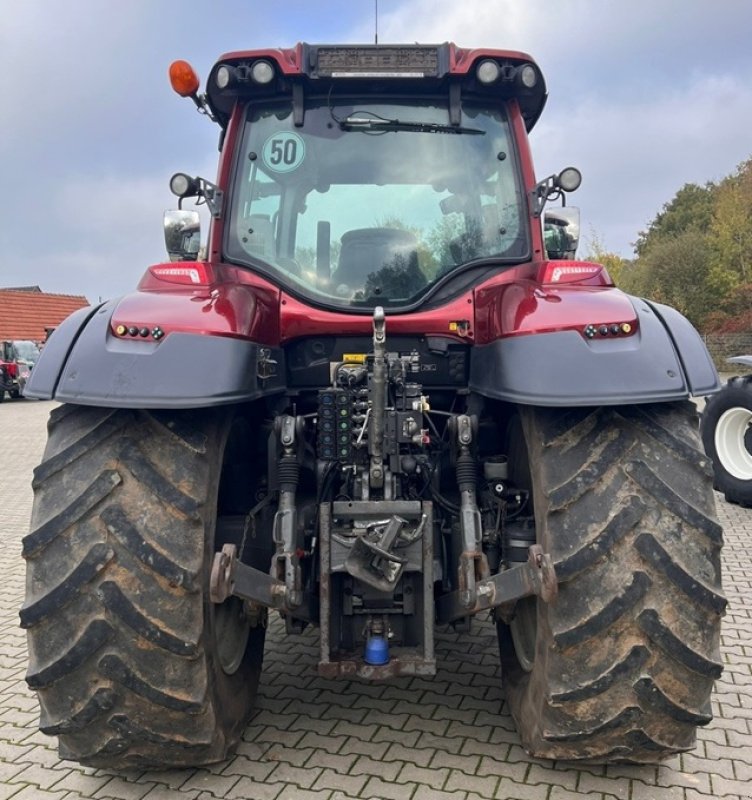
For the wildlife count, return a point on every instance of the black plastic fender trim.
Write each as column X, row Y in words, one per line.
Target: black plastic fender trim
column 698, row 365
column 664, row 361
column 46, row 373
column 182, row 370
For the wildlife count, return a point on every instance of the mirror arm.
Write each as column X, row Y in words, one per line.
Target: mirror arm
column 540, row 194
column 214, row 197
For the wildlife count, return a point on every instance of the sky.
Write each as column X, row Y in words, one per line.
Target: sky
column 643, row 98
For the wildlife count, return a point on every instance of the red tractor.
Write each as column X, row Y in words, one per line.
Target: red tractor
column 377, row 404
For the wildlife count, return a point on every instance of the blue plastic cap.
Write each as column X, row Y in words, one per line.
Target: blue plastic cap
column 377, row 651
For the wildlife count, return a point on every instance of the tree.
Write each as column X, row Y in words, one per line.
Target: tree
column 615, row 265
column 730, row 230
column 675, row 271
column 735, row 316
column 426, row 259
column 690, row 209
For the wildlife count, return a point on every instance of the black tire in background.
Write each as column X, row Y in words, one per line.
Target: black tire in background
column 727, row 437
column 133, row 666
column 621, row 668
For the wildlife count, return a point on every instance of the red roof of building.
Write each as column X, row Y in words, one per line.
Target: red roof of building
column 27, row 315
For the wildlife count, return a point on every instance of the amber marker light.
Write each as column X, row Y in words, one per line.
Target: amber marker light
column 183, row 78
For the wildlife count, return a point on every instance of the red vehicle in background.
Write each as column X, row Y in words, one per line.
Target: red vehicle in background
column 17, row 359
column 9, row 371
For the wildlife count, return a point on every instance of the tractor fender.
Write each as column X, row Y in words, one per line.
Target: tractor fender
column 87, row 364
column 744, row 360
column 44, row 377
column 664, row 360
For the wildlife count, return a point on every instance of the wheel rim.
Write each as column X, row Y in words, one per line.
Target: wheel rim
column 232, row 627
column 231, row 632
column 524, row 625
column 524, row 630
column 732, row 442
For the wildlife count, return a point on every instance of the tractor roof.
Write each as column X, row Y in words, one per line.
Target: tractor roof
column 370, row 67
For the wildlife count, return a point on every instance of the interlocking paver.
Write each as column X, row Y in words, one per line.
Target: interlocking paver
column 246, row 787
column 366, row 748
column 458, row 780
column 410, row 755
column 511, row 790
column 618, row 787
column 122, row 789
column 317, row 739
column 435, row 778
column 165, row 793
column 381, row 769
column 387, row 790
column 9, row 789
column 349, row 784
column 300, row 776
column 426, row 793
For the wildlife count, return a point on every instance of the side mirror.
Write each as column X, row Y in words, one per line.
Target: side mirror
column 182, row 230
column 561, row 232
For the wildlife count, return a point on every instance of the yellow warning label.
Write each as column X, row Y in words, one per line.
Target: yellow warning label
column 354, row 358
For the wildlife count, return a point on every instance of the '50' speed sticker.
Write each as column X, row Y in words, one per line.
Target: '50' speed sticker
column 283, row 152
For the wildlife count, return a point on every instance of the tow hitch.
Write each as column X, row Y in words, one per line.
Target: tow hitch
column 536, row 577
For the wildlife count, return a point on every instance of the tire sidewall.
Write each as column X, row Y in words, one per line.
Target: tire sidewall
column 736, row 394
column 233, row 693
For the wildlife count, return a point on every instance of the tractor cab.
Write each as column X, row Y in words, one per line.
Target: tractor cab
column 356, row 177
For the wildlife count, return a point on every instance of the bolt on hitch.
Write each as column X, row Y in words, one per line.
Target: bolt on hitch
column 535, row 577
column 229, row 577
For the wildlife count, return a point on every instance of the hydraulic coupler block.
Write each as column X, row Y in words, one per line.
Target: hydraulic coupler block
column 334, row 440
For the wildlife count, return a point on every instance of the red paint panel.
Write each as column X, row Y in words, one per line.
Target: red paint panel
column 287, row 59
column 526, row 307
column 237, row 303
column 298, row 319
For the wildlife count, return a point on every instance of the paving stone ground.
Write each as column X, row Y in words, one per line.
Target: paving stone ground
column 446, row 738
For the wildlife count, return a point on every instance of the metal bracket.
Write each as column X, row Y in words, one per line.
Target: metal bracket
column 372, row 559
column 536, row 577
column 230, row 577
column 266, row 366
column 214, row 197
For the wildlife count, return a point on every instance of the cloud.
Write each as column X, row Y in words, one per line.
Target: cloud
column 635, row 156
column 641, row 98
column 97, row 236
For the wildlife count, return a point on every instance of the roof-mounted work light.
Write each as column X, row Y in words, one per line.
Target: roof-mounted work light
column 488, row 71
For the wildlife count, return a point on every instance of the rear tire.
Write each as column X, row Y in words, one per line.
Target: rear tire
column 624, row 663
column 727, row 437
column 126, row 652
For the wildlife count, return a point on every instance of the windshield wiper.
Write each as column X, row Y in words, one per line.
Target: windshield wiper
column 379, row 124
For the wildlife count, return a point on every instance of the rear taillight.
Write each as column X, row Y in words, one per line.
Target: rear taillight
column 557, row 272
column 188, row 274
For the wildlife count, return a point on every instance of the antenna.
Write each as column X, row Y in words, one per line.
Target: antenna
column 376, row 26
